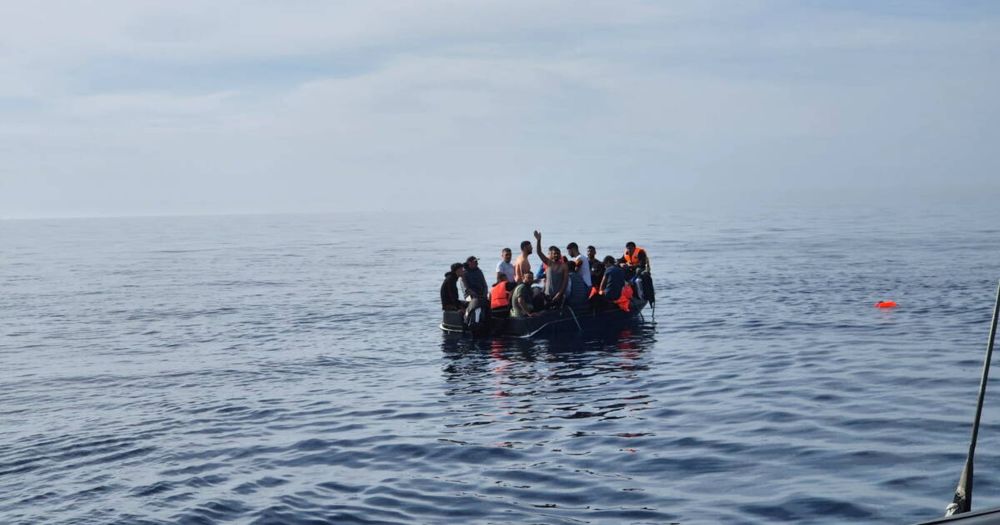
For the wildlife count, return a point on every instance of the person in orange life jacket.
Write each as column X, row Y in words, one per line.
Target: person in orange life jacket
column 449, row 289
column 522, row 265
column 632, row 260
column 556, row 272
column 500, row 294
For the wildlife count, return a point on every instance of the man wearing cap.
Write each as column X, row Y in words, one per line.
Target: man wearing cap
column 475, row 285
column 449, row 289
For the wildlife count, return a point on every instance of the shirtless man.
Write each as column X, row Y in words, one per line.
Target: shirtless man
column 556, row 271
column 521, row 264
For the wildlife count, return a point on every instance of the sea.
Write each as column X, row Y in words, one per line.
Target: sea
column 290, row 369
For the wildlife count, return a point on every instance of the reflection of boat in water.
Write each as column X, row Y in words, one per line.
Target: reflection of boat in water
column 549, row 322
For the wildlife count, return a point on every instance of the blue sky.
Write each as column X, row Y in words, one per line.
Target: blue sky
column 236, row 107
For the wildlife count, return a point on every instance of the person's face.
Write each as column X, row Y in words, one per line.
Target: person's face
column 506, row 255
column 473, row 264
column 591, row 253
column 572, row 252
column 460, row 271
column 527, row 249
column 554, row 255
column 629, row 249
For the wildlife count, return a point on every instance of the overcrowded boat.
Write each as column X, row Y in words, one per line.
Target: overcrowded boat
column 569, row 293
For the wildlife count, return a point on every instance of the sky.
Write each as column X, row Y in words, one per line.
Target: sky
column 124, row 107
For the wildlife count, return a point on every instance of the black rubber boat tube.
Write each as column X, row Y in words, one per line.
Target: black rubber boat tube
column 963, row 493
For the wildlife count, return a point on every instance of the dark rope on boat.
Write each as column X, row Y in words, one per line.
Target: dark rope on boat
column 577, row 321
column 963, row 493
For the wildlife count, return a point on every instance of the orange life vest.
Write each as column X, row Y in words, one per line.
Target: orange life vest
column 499, row 296
column 624, row 299
column 633, row 258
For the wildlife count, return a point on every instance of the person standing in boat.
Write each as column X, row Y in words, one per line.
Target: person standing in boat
column 475, row 285
column 505, row 267
column 522, row 265
column 596, row 266
column 556, row 273
column 582, row 264
column 449, row 289
column 578, row 291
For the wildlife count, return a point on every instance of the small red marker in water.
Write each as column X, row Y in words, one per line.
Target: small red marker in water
column 886, row 304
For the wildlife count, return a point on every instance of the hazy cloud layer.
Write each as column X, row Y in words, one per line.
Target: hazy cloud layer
column 123, row 107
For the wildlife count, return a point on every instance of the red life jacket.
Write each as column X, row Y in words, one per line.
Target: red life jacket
column 625, row 298
column 633, row 258
column 499, row 296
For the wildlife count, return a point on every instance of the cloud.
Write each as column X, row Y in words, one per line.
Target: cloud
column 236, row 106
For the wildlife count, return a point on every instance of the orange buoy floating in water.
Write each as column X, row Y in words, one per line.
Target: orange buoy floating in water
column 886, row 304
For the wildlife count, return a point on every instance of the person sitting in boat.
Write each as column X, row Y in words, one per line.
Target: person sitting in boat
column 577, row 292
column 522, row 265
column 611, row 284
column 475, row 285
column 556, row 277
column 596, row 267
column 522, row 304
column 581, row 263
column 500, row 294
column 449, row 289
column 505, row 267
column 632, row 260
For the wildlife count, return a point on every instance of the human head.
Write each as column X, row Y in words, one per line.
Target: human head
column 629, row 246
column 501, row 278
column 572, row 249
column 528, row 278
column 472, row 262
column 554, row 253
column 591, row 252
column 526, row 247
column 457, row 269
column 505, row 254
column 609, row 260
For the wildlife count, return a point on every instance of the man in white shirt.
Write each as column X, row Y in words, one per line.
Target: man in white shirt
column 581, row 262
column 505, row 267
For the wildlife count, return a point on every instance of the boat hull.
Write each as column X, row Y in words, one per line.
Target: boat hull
column 549, row 322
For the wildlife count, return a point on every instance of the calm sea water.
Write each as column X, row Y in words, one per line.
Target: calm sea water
column 289, row 369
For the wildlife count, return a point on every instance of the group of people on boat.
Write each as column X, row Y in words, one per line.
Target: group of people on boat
column 562, row 280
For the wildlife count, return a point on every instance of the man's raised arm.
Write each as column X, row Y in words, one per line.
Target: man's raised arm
column 538, row 248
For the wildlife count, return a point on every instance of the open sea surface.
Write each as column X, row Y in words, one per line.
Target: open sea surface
column 290, row 369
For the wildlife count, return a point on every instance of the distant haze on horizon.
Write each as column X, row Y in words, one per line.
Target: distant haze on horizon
column 183, row 107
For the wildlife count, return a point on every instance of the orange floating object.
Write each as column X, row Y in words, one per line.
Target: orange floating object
column 886, row 304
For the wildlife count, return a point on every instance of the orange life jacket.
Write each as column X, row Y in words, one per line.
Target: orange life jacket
column 624, row 299
column 633, row 258
column 499, row 296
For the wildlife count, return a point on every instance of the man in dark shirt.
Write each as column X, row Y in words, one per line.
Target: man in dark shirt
column 475, row 285
column 449, row 289
column 596, row 267
column 614, row 280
